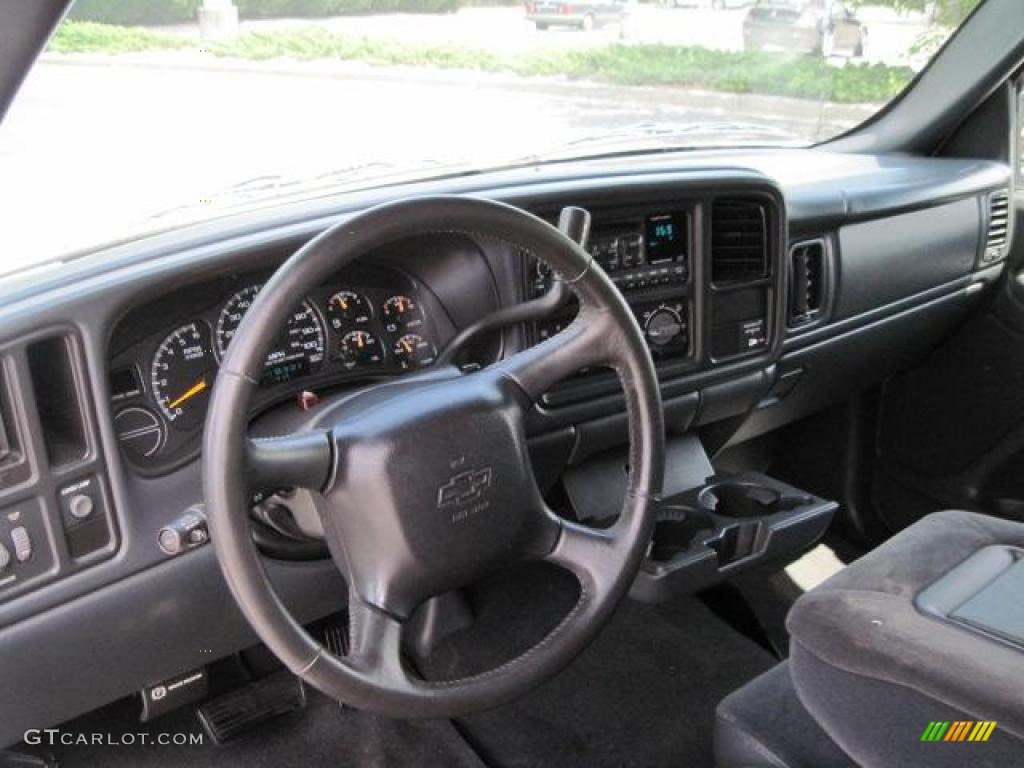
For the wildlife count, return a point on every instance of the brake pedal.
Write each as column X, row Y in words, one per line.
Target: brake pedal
column 229, row 716
column 336, row 639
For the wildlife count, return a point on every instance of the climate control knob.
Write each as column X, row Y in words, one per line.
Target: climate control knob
column 663, row 326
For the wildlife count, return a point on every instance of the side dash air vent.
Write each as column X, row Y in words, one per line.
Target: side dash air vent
column 807, row 283
column 739, row 241
column 997, row 238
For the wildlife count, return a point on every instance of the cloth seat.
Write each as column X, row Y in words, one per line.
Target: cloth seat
column 873, row 671
column 764, row 724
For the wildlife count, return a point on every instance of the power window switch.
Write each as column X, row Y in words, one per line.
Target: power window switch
column 5, row 558
column 22, row 544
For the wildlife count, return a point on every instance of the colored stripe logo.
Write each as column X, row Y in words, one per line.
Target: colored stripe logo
column 958, row 730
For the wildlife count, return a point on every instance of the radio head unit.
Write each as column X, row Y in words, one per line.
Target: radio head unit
column 658, row 240
column 648, row 258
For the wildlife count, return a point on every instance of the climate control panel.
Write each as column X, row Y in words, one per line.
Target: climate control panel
column 666, row 327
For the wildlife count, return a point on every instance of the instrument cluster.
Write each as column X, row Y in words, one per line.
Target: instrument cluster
column 161, row 386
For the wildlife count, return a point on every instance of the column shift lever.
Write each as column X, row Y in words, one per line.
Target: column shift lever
column 574, row 223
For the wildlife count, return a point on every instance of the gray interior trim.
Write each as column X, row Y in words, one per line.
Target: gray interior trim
column 25, row 28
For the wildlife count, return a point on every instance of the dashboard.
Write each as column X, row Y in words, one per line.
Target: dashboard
column 701, row 277
column 756, row 276
column 368, row 323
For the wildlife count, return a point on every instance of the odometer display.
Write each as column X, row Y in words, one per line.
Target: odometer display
column 298, row 349
column 182, row 374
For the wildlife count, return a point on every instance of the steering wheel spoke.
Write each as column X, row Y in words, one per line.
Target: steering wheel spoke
column 583, row 344
column 588, row 553
column 375, row 644
column 301, row 460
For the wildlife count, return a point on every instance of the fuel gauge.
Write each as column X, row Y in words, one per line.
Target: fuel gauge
column 413, row 351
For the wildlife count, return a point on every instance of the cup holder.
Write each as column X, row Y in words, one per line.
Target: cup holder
column 677, row 528
column 741, row 500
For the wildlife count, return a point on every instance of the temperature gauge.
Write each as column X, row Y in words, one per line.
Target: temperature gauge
column 360, row 348
column 348, row 308
column 413, row 351
column 401, row 312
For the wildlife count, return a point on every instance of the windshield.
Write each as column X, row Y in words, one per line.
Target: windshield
column 144, row 116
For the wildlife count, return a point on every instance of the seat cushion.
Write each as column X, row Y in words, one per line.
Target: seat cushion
column 764, row 725
column 860, row 636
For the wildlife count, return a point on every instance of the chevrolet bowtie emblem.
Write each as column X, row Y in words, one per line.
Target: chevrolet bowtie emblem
column 464, row 487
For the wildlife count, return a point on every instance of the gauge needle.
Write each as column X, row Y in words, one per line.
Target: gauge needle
column 191, row 392
column 342, row 303
column 406, row 346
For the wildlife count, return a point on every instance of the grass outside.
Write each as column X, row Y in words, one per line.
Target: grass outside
column 640, row 64
column 91, row 37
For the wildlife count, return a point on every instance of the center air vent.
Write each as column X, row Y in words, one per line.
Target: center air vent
column 739, row 241
column 998, row 227
column 806, row 282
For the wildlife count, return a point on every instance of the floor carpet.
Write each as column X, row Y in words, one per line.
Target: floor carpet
column 643, row 694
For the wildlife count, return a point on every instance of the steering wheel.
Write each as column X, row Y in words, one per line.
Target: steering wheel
column 424, row 485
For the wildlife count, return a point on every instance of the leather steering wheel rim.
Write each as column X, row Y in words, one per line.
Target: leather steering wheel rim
column 393, row 555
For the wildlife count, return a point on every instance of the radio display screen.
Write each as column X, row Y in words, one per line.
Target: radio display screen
column 666, row 236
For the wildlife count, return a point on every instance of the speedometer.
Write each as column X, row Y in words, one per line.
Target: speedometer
column 297, row 350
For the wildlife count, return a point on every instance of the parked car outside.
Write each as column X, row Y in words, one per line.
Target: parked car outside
column 580, row 15
column 717, row 5
column 818, row 27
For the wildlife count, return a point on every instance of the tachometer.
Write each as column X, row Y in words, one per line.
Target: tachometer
column 298, row 349
column 182, row 374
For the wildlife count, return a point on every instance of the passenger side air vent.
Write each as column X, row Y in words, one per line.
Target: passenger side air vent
column 739, row 241
column 998, row 227
column 807, row 282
